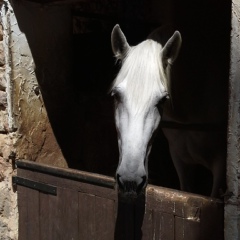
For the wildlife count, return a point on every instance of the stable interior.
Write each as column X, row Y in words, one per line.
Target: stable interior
column 81, row 110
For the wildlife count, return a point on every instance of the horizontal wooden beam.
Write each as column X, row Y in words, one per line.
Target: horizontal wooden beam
column 86, row 177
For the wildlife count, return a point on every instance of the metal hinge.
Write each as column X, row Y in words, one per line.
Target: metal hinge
column 42, row 187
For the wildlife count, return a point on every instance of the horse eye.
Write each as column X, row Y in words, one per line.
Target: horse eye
column 119, row 61
column 163, row 100
column 116, row 94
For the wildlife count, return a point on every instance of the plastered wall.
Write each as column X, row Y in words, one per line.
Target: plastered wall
column 36, row 141
column 25, row 130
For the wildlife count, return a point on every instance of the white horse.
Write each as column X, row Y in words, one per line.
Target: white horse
column 140, row 89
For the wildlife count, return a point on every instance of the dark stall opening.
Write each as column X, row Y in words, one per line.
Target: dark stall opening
column 77, row 100
column 94, row 69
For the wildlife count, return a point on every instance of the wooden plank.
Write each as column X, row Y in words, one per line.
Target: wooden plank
column 54, row 218
column 86, row 177
column 28, row 206
column 22, row 209
column 86, row 211
column 44, row 216
column 33, row 214
column 182, row 204
column 147, row 226
column 168, row 200
column 68, row 213
column 104, row 218
column 96, row 217
column 163, row 226
column 188, row 230
column 59, row 215
column 68, row 183
column 86, row 216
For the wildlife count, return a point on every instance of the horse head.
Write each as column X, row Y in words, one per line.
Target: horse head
column 139, row 89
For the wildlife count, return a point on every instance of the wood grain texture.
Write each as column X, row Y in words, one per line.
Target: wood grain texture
column 163, row 226
column 22, row 209
column 96, row 217
column 86, row 211
column 188, row 230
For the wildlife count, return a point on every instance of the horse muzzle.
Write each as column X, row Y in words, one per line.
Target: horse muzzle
column 129, row 187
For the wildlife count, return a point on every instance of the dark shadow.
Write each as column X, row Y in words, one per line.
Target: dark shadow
column 74, row 72
column 130, row 217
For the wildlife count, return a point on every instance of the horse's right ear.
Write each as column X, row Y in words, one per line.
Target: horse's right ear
column 171, row 49
column 120, row 45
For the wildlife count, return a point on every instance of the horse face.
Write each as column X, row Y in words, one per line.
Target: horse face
column 138, row 89
column 135, row 135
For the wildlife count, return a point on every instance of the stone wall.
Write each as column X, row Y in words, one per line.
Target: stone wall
column 8, row 199
column 232, row 203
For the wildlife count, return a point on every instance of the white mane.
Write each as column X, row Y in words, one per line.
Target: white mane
column 142, row 69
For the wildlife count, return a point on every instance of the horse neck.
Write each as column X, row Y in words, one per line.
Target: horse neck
column 186, row 106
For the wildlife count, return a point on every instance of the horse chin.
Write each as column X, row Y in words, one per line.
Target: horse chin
column 131, row 196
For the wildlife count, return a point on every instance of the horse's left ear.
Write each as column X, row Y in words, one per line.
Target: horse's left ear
column 171, row 49
column 120, row 45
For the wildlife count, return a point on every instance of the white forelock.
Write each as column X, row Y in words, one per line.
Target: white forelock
column 142, row 70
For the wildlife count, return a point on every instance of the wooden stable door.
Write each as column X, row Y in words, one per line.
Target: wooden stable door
column 65, row 204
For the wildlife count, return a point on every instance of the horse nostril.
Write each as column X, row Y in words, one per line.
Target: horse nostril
column 120, row 183
column 142, row 184
column 134, row 187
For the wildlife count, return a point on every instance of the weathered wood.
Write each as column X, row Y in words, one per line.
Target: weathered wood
column 73, row 174
column 44, row 216
column 54, row 228
column 147, row 230
column 86, row 216
column 105, row 218
column 188, row 230
column 96, row 217
column 22, row 209
column 179, row 203
column 33, row 214
column 82, row 210
column 68, row 183
column 163, row 226
column 68, row 213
